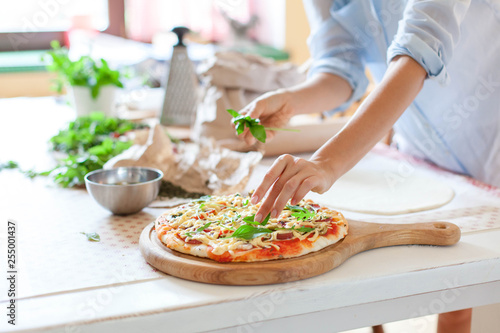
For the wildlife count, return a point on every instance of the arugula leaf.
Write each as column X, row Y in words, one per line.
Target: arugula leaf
column 200, row 229
column 249, row 232
column 304, row 215
column 303, row 229
column 92, row 236
column 197, row 231
column 301, row 213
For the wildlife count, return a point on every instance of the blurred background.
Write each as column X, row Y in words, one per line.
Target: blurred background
column 137, row 35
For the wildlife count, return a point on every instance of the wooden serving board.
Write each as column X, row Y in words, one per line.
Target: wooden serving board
column 362, row 236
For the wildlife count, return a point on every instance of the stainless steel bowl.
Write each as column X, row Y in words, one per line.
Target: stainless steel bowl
column 124, row 190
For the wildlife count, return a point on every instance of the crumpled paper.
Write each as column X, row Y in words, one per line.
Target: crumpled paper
column 202, row 167
column 231, row 81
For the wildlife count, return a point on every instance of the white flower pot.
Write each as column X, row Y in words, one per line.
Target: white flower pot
column 84, row 103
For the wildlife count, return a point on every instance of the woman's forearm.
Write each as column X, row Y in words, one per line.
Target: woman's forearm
column 290, row 178
column 320, row 93
column 375, row 116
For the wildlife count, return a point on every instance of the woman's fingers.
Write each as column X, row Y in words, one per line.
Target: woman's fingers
column 288, row 191
column 307, row 185
column 288, row 178
column 276, row 170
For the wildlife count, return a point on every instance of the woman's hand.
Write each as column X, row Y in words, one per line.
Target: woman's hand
column 290, row 178
column 273, row 109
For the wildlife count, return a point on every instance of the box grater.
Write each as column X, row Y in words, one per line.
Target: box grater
column 181, row 95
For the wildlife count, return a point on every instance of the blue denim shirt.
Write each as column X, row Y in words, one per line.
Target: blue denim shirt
column 455, row 120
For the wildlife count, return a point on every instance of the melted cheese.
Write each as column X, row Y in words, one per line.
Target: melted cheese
column 214, row 220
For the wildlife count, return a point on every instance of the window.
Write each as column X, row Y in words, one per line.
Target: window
column 32, row 24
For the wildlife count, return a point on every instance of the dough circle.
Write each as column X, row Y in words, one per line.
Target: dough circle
column 386, row 193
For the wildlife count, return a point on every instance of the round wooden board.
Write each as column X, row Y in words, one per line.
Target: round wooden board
column 362, row 236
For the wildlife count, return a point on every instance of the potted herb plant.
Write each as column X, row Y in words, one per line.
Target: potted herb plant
column 92, row 85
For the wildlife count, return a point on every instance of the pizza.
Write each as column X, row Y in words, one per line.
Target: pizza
column 222, row 228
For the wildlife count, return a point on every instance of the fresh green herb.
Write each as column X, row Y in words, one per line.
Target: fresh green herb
column 9, row 165
column 82, row 72
column 14, row 165
column 251, row 220
column 89, row 131
column 254, row 125
column 249, row 232
column 245, row 203
column 294, row 208
column 200, row 229
column 301, row 213
column 303, row 229
column 202, row 206
column 71, row 170
column 225, row 227
column 92, row 236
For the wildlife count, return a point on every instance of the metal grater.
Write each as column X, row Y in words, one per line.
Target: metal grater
column 181, row 95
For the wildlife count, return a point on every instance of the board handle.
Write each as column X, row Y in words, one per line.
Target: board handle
column 428, row 233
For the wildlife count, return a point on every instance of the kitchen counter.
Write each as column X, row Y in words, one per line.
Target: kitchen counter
column 68, row 284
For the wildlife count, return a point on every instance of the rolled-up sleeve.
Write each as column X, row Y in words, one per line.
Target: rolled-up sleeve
column 428, row 32
column 333, row 49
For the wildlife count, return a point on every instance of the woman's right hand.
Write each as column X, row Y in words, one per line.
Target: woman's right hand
column 273, row 109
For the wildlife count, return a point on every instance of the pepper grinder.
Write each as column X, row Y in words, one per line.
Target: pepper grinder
column 181, row 95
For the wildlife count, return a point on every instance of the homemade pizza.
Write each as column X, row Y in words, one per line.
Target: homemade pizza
column 222, row 228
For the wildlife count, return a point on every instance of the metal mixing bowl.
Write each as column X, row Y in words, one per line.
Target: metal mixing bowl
column 124, row 190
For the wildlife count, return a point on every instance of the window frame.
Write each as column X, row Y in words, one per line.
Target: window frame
column 22, row 41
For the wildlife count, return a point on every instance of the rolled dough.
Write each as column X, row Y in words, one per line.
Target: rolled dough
column 386, row 193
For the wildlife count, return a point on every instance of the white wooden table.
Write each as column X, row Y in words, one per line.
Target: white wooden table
column 370, row 288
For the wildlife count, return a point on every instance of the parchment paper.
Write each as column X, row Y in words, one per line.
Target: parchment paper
column 202, row 167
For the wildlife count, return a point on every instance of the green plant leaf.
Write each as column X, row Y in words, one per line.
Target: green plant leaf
column 249, row 232
column 259, row 132
column 92, row 236
column 233, row 113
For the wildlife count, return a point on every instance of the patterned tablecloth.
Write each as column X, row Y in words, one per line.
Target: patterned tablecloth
column 54, row 255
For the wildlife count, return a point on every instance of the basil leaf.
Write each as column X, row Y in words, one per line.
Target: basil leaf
column 92, row 236
column 249, row 232
column 233, row 113
column 259, row 132
column 200, row 229
column 240, row 127
column 250, row 219
column 266, row 220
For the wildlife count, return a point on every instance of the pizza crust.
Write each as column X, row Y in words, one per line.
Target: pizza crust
column 173, row 238
column 256, row 254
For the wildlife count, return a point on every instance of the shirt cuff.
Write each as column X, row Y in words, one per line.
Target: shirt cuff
column 349, row 72
column 413, row 46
